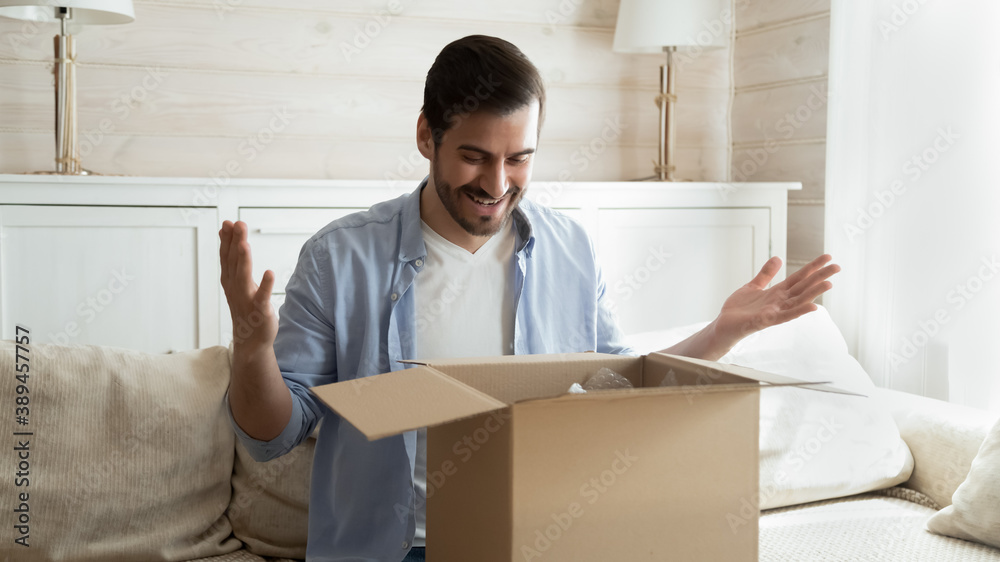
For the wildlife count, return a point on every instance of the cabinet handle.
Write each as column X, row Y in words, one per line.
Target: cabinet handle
column 283, row 231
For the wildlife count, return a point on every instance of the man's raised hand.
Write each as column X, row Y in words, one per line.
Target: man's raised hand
column 254, row 323
column 754, row 306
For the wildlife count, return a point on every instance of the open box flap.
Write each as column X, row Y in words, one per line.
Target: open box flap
column 392, row 403
column 711, row 368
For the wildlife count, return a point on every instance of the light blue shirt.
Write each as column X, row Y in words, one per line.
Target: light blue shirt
column 349, row 313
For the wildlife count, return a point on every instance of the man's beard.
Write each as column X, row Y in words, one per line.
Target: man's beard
column 476, row 226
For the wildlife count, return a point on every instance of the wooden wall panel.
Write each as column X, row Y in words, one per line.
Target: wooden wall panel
column 179, row 91
column 297, row 158
column 201, row 103
column 804, row 163
column 583, row 13
column 785, row 112
column 279, row 41
column 751, row 14
column 805, row 233
column 779, row 109
column 792, row 52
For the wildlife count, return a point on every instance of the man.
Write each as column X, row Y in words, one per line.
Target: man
column 461, row 267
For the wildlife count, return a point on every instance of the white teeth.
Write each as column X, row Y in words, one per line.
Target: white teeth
column 487, row 203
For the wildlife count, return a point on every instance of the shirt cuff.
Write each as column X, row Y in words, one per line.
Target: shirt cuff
column 263, row 451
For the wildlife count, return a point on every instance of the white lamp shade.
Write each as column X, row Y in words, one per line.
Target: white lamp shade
column 647, row 26
column 85, row 12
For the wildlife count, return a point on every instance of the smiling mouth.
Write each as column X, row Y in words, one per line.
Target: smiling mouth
column 485, row 202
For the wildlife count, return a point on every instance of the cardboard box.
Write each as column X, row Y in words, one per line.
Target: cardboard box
column 518, row 470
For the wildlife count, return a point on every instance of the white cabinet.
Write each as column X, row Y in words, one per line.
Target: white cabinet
column 133, row 262
column 133, row 277
column 672, row 252
column 678, row 262
column 277, row 235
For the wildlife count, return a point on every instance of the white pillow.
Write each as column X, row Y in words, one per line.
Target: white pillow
column 813, row 445
column 974, row 513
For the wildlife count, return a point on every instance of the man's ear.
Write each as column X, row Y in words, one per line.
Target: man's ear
column 425, row 140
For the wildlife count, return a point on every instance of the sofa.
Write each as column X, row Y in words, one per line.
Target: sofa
column 889, row 524
column 130, row 456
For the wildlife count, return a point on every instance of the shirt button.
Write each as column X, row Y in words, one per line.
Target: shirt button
column 419, row 263
column 406, row 544
column 394, row 296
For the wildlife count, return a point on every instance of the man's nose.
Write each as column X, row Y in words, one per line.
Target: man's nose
column 496, row 182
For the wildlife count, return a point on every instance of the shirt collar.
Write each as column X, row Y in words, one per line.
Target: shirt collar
column 411, row 246
column 522, row 227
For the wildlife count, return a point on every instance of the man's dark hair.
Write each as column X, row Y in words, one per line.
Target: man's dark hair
column 476, row 73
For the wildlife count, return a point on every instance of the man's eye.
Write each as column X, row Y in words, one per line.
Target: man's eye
column 518, row 160
column 472, row 160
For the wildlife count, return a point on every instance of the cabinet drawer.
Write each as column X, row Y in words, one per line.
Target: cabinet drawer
column 277, row 235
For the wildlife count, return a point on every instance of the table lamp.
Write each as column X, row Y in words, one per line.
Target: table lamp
column 653, row 26
column 68, row 13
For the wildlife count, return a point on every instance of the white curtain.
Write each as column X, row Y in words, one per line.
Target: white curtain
column 912, row 193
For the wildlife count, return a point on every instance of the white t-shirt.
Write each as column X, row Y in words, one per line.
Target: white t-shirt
column 465, row 308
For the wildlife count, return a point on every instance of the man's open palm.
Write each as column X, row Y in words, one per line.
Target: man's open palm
column 254, row 322
column 754, row 306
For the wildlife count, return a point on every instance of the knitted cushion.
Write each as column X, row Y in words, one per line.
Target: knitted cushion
column 974, row 513
column 129, row 456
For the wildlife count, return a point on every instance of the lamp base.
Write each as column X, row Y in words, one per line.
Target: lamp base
column 80, row 172
column 657, row 178
column 665, row 101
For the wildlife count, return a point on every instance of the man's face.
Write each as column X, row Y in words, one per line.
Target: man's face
column 483, row 165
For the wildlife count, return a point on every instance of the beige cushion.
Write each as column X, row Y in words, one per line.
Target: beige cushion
column 269, row 509
column 866, row 527
column 238, row 556
column 975, row 510
column 131, row 454
column 270, row 505
column 943, row 437
column 243, row 556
